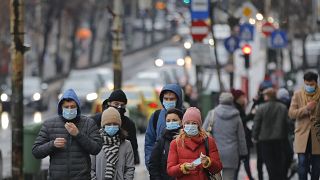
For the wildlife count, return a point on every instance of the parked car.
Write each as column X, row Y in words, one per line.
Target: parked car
column 173, row 55
column 151, row 100
column 35, row 95
column 86, row 84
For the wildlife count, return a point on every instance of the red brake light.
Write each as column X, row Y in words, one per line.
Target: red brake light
column 153, row 105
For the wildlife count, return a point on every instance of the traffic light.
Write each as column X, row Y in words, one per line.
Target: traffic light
column 246, row 51
column 186, row 1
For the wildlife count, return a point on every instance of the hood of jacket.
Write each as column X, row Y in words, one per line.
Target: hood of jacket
column 176, row 89
column 226, row 112
column 69, row 94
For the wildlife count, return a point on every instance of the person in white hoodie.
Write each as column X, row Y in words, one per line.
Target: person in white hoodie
column 115, row 160
column 227, row 129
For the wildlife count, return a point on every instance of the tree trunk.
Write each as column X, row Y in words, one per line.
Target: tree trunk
column 58, row 60
column 73, row 38
column 93, row 29
column 47, row 30
column 17, row 29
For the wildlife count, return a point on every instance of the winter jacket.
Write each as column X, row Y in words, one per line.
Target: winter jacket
column 303, row 125
column 271, row 122
column 129, row 126
column 245, row 118
column 124, row 168
column 151, row 134
column 72, row 161
column 159, row 156
column 229, row 135
column 193, row 147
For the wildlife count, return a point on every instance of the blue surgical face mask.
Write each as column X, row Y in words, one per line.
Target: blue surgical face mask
column 69, row 114
column 111, row 130
column 169, row 104
column 309, row 89
column 191, row 129
column 172, row 125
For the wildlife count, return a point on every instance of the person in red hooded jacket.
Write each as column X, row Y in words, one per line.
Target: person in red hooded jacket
column 187, row 154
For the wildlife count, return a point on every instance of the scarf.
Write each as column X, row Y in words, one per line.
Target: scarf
column 111, row 149
column 307, row 97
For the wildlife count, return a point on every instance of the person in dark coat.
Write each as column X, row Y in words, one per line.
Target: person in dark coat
column 240, row 103
column 69, row 139
column 118, row 100
column 159, row 155
column 270, row 128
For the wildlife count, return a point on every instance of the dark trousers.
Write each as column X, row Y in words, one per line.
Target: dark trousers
column 274, row 156
column 259, row 161
column 305, row 160
column 246, row 164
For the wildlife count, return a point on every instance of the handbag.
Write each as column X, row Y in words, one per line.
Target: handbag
column 210, row 118
column 210, row 175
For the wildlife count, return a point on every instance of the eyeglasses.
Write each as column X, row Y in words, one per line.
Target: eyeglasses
column 118, row 105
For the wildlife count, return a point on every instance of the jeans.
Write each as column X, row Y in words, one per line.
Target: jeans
column 305, row 160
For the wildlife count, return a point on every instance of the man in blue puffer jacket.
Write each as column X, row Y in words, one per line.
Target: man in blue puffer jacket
column 170, row 97
column 69, row 139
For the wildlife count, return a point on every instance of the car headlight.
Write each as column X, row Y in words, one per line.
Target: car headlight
column 4, row 97
column 159, row 62
column 36, row 96
column 180, row 62
column 92, row 96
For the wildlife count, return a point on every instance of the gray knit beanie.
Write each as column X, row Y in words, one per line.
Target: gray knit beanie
column 226, row 98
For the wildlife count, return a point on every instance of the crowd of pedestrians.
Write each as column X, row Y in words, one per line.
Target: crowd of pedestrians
column 180, row 144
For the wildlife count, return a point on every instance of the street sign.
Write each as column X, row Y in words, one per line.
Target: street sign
column 199, row 9
column 246, row 32
column 247, row 10
column 199, row 30
column 267, row 28
column 231, row 43
column 278, row 39
column 201, row 54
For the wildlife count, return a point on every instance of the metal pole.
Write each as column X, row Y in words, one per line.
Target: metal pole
column 117, row 44
column 18, row 49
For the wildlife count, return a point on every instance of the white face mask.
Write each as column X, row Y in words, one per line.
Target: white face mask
column 191, row 129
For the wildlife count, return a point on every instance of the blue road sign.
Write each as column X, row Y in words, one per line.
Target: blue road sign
column 246, row 32
column 199, row 9
column 231, row 43
column 278, row 39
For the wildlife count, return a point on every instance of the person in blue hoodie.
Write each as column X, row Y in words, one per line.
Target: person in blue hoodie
column 69, row 139
column 170, row 97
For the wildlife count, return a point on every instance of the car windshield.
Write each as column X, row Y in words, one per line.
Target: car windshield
column 31, row 85
column 132, row 95
column 79, row 86
column 171, row 53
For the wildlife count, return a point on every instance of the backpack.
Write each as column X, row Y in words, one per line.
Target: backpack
column 155, row 119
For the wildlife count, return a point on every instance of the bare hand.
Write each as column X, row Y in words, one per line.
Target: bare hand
column 190, row 166
column 204, row 159
column 311, row 105
column 71, row 128
column 59, row 142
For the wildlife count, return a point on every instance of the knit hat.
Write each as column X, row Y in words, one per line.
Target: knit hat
column 236, row 93
column 192, row 114
column 110, row 115
column 226, row 98
column 116, row 95
column 283, row 94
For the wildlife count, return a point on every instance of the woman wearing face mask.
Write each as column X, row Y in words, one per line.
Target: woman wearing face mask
column 159, row 155
column 115, row 160
column 187, row 155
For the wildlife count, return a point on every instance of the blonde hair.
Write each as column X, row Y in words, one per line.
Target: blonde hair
column 182, row 136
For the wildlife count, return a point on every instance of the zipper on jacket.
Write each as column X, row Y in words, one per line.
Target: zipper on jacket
column 68, row 154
